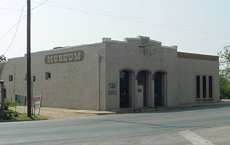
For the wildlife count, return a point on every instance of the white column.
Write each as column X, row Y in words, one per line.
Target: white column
column 201, row 87
column 149, row 95
column 138, row 96
column 152, row 92
column 135, row 96
column 133, row 89
column 165, row 89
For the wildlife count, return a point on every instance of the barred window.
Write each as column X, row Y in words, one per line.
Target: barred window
column 210, row 84
column 204, row 87
column 197, row 86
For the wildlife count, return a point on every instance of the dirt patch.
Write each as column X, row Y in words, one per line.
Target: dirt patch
column 60, row 113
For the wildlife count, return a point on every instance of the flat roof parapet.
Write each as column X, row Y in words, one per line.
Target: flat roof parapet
column 106, row 39
column 143, row 40
column 197, row 56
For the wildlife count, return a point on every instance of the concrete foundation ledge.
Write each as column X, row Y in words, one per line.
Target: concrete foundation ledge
column 199, row 105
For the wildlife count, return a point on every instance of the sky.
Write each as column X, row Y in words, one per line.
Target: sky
column 197, row 26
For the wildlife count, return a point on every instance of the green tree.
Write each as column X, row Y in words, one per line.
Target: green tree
column 224, row 55
column 3, row 58
column 224, row 87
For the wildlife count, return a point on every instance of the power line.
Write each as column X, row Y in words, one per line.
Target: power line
column 40, row 4
column 16, row 31
column 7, row 32
column 17, row 24
column 184, row 28
column 96, row 12
column 9, row 9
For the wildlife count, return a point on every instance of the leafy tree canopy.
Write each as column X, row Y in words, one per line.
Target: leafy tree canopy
column 224, row 55
column 3, row 58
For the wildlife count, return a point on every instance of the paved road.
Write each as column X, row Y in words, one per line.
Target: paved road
column 209, row 126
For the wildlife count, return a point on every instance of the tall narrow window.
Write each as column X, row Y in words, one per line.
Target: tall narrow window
column 210, row 86
column 11, row 78
column 204, row 87
column 47, row 75
column 197, row 86
column 34, row 78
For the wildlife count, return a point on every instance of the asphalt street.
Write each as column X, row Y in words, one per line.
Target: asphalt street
column 194, row 126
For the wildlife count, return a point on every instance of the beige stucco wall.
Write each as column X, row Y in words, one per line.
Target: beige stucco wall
column 72, row 85
column 86, row 84
column 129, row 56
column 188, row 69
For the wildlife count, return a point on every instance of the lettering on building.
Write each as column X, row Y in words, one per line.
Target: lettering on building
column 66, row 57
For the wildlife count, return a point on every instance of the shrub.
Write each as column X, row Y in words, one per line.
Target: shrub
column 7, row 104
column 7, row 115
column 224, row 87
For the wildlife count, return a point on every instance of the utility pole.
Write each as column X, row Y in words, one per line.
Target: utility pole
column 29, row 104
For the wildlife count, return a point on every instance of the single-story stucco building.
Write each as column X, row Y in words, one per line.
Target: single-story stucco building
column 111, row 75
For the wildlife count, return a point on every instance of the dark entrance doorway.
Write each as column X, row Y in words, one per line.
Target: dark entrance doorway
column 143, row 80
column 159, row 89
column 125, row 89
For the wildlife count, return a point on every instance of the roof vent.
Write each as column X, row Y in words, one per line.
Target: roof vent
column 106, row 39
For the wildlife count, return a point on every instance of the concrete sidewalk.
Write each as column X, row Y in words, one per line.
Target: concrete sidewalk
column 61, row 113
